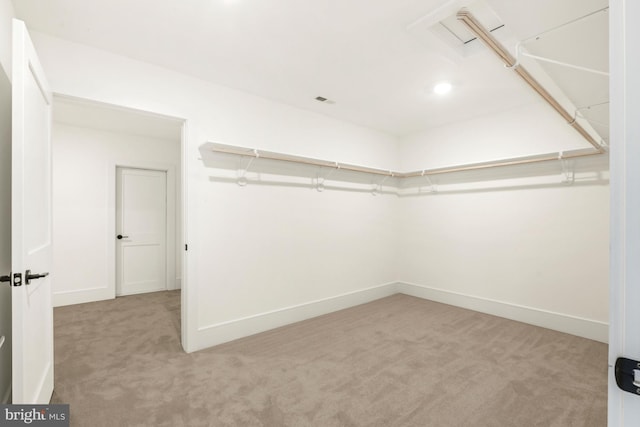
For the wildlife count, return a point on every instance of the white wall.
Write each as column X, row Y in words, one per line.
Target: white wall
column 6, row 15
column 257, row 256
column 5, row 234
column 83, row 205
column 527, row 130
column 514, row 242
column 265, row 255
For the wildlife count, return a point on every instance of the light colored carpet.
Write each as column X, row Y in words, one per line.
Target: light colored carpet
column 399, row 361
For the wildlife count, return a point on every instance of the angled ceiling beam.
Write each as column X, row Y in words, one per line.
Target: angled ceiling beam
column 487, row 38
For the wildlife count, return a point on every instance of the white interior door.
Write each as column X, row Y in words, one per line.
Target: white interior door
column 5, row 238
column 141, row 224
column 624, row 303
column 32, row 312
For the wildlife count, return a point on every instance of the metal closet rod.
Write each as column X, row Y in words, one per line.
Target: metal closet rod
column 487, row 38
column 241, row 151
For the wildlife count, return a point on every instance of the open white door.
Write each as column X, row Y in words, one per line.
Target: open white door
column 624, row 336
column 32, row 312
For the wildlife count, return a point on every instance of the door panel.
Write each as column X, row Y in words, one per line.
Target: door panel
column 624, row 315
column 32, row 312
column 5, row 237
column 142, row 220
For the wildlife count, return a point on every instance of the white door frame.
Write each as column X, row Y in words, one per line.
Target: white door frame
column 188, row 296
column 624, row 300
column 170, row 170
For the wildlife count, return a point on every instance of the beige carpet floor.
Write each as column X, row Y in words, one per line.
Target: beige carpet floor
column 399, row 361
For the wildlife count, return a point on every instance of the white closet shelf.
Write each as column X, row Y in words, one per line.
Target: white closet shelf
column 512, row 161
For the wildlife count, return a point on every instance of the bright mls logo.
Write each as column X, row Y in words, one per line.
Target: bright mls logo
column 34, row 415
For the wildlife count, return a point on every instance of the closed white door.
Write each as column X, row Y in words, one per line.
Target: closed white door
column 141, row 224
column 32, row 312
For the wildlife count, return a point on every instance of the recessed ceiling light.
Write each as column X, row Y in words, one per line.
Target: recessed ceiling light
column 442, row 88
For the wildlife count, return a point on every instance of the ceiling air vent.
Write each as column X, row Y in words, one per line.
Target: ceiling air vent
column 461, row 32
column 325, row 100
column 441, row 28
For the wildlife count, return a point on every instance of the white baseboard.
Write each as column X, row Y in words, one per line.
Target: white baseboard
column 586, row 328
column 81, row 296
column 219, row 333
column 210, row 335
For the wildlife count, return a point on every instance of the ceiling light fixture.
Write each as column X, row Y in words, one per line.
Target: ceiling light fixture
column 442, row 88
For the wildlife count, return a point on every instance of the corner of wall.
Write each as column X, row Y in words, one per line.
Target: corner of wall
column 81, row 296
column 219, row 333
column 586, row 328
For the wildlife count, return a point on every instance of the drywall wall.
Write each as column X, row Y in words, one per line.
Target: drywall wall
column 265, row 255
column 262, row 256
column 6, row 16
column 84, row 162
column 5, row 235
column 523, row 131
column 516, row 242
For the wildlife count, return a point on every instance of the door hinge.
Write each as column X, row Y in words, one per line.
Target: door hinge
column 186, row 247
column 627, row 374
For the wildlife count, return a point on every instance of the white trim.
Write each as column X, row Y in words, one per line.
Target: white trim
column 222, row 332
column 111, row 192
column 189, row 294
column 80, row 296
column 178, row 283
column 586, row 328
column 624, row 270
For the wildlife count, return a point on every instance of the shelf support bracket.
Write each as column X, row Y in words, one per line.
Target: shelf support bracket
column 242, row 172
column 431, row 187
column 568, row 171
column 377, row 187
column 319, row 181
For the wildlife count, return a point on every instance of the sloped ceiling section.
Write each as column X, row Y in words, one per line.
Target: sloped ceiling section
column 571, row 49
column 570, row 60
column 575, row 56
column 377, row 60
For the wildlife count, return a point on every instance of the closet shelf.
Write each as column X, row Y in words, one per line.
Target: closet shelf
column 512, row 161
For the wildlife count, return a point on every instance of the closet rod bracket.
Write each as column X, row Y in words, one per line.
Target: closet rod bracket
column 568, row 170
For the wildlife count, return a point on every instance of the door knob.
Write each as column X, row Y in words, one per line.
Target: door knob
column 120, row 237
column 29, row 277
column 5, row 278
